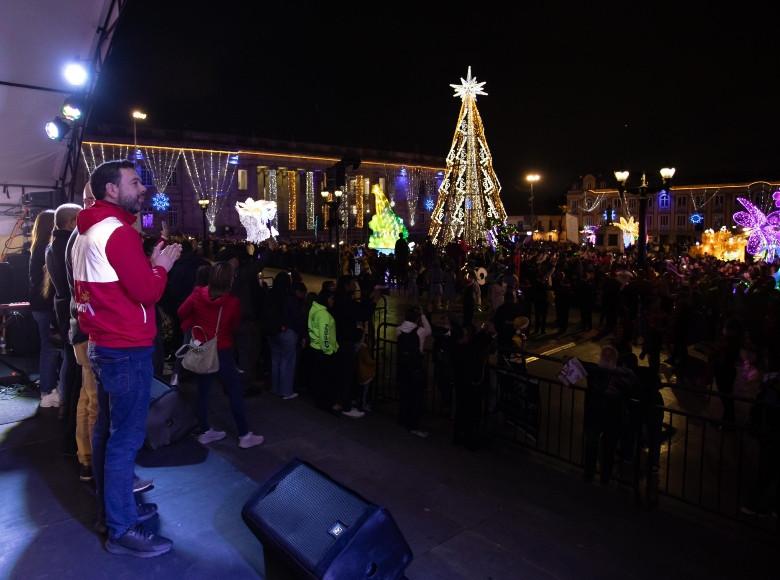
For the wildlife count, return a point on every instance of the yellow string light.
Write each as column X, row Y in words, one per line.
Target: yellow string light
column 292, row 204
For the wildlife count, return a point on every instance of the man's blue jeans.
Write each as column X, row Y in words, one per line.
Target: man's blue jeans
column 124, row 378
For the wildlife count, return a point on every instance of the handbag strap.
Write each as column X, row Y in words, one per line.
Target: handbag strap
column 219, row 317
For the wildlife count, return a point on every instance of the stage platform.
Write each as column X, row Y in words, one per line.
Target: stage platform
column 500, row 513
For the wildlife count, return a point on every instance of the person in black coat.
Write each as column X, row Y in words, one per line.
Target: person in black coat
column 70, row 372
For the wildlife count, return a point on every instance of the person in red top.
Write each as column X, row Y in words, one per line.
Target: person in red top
column 116, row 287
column 216, row 311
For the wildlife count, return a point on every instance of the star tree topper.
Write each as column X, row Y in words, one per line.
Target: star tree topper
column 468, row 87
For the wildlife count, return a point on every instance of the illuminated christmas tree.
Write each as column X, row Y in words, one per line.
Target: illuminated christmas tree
column 385, row 224
column 469, row 197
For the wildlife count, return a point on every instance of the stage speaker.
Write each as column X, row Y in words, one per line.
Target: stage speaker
column 324, row 530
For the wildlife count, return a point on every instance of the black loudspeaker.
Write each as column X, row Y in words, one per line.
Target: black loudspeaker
column 324, row 530
column 170, row 418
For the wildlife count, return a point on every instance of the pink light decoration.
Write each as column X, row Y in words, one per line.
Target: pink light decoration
column 764, row 230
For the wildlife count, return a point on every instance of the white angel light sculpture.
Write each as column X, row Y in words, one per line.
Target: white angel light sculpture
column 257, row 218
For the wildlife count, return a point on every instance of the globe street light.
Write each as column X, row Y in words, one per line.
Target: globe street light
column 621, row 176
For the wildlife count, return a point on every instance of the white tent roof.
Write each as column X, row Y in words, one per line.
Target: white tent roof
column 37, row 38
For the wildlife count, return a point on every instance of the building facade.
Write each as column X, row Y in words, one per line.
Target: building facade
column 674, row 216
column 293, row 175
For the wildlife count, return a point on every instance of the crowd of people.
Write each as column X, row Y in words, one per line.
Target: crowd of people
column 124, row 305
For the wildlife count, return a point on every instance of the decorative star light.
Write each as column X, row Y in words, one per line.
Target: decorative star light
column 763, row 230
column 696, row 218
column 161, row 202
column 429, row 203
column 468, row 87
column 257, row 218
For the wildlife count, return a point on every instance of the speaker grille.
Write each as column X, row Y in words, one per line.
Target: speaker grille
column 304, row 508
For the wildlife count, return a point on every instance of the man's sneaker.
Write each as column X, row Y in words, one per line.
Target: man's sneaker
column 85, row 472
column 139, row 543
column 354, row 413
column 140, row 485
column 146, row 511
column 290, row 396
column 418, row 433
column 210, row 436
column 50, row 399
column 250, row 440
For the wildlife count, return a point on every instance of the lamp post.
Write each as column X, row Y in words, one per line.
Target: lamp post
column 137, row 116
column 334, row 221
column 532, row 178
column 203, row 202
column 621, row 177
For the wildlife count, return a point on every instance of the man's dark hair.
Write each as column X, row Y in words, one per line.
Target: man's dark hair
column 108, row 172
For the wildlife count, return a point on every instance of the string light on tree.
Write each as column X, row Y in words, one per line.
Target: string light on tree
column 469, row 196
column 310, row 200
column 292, row 204
column 385, row 224
column 412, row 193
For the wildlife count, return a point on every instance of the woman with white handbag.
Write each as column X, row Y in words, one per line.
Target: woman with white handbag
column 213, row 315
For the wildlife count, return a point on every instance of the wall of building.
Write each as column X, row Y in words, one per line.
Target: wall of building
column 669, row 213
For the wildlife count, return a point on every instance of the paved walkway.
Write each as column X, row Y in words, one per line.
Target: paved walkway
column 498, row 513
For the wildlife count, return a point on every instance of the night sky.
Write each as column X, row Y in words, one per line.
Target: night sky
column 571, row 90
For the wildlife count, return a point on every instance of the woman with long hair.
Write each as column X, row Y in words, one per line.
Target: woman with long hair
column 42, row 307
column 218, row 312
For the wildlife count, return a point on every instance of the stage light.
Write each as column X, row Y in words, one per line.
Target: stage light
column 72, row 109
column 56, row 129
column 75, row 74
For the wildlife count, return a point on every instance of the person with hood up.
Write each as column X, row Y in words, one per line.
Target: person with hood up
column 216, row 311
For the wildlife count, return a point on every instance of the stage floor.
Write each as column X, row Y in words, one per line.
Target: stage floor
column 499, row 513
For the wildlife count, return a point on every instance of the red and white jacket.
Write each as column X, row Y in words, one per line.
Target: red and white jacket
column 116, row 285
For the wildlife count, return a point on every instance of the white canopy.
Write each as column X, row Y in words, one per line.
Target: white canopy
column 37, row 38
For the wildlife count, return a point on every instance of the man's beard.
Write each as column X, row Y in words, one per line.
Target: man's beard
column 131, row 204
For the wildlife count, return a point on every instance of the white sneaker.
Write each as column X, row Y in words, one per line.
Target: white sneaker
column 290, row 396
column 210, row 436
column 50, row 399
column 420, row 434
column 250, row 440
column 354, row 413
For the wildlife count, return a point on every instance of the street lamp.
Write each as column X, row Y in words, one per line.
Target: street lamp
column 137, row 116
column 334, row 222
column 532, row 178
column 203, row 202
column 621, row 176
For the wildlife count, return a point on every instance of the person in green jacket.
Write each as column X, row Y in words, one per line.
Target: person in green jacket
column 322, row 341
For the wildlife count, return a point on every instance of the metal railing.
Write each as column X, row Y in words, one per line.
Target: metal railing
column 698, row 460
